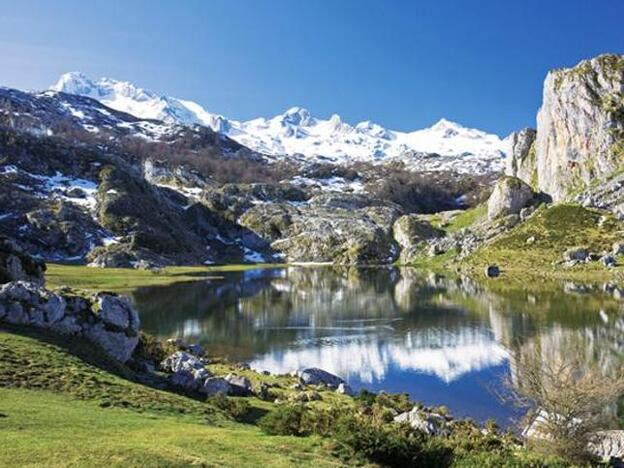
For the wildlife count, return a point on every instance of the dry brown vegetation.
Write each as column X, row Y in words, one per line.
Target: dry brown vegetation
column 569, row 399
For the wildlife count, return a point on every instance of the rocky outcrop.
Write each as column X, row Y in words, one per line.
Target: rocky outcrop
column 410, row 230
column 521, row 159
column 15, row 265
column 412, row 233
column 315, row 376
column 160, row 173
column 509, row 196
column 337, row 228
column 580, row 126
column 187, row 371
column 232, row 200
column 107, row 320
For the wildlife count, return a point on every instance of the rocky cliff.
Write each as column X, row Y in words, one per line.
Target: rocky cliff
column 580, row 126
column 521, row 162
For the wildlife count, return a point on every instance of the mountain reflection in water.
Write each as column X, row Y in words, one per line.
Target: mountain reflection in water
column 444, row 341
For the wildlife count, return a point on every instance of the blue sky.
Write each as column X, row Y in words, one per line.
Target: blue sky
column 403, row 64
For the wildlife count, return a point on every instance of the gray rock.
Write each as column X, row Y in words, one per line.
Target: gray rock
column 117, row 311
column 579, row 254
column 410, row 230
column 492, row 271
column 521, row 160
column 187, row 371
column 429, row 423
column 239, row 385
column 15, row 265
column 578, row 125
column 181, row 360
column 117, row 344
column 215, row 385
column 509, row 196
column 608, row 261
column 315, row 376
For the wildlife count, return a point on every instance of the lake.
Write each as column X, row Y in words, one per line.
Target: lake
column 444, row 340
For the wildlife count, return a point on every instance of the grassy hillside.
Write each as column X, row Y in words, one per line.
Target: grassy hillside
column 59, row 409
column 553, row 230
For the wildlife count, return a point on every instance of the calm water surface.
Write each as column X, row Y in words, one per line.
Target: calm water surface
column 445, row 341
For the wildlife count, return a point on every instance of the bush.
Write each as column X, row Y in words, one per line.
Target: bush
column 284, row 420
column 236, row 408
column 150, row 348
column 389, row 445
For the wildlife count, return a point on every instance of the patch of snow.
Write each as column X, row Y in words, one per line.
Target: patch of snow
column 8, row 169
column 252, row 256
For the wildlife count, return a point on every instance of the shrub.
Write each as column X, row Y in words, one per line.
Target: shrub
column 388, row 444
column 236, row 408
column 284, row 420
column 150, row 348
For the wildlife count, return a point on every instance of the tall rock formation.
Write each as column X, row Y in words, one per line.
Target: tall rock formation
column 580, row 126
column 521, row 161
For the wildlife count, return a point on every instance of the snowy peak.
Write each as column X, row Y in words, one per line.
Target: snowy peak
column 297, row 133
column 126, row 97
column 297, row 116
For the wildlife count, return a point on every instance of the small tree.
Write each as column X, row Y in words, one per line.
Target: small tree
column 568, row 399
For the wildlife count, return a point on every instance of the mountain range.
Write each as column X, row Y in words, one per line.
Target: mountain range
column 297, row 134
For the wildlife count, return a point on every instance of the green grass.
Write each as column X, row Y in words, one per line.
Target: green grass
column 64, row 404
column 127, row 279
column 42, row 429
column 460, row 221
column 555, row 230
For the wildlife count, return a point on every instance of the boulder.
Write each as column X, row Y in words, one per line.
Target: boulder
column 421, row 420
column 315, row 376
column 15, row 265
column 30, row 304
column 107, row 320
column 118, row 344
column 509, row 196
column 608, row 261
column 618, row 248
column 181, row 360
column 578, row 254
column 117, row 311
column 492, row 271
column 239, row 385
column 215, row 385
column 187, row 371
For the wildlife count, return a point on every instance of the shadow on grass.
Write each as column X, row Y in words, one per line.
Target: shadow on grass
column 93, row 355
column 253, row 415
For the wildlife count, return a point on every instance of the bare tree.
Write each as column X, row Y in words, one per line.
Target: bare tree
column 567, row 397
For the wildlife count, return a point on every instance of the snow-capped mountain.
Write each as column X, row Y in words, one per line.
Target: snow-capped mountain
column 298, row 134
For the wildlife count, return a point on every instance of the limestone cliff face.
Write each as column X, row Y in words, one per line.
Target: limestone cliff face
column 521, row 161
column 580, row 126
